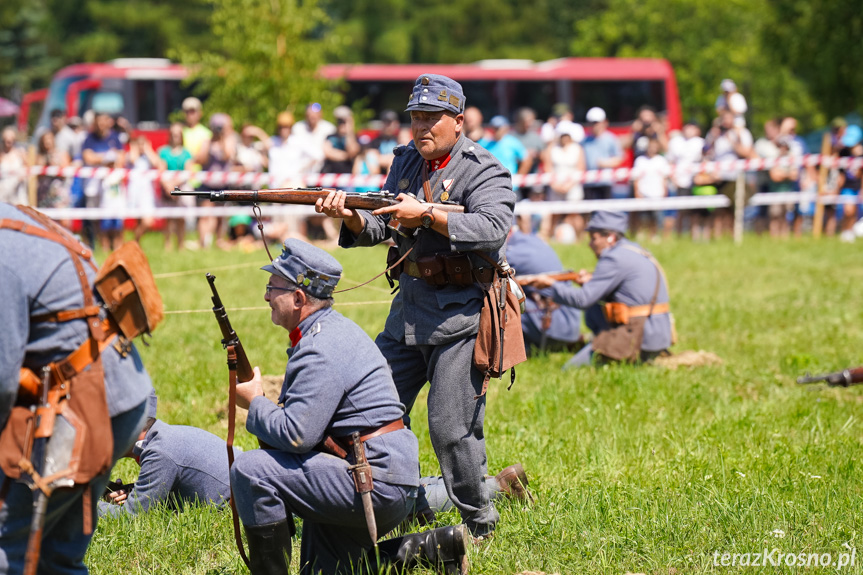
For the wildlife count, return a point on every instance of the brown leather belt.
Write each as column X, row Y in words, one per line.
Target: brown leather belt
column 644, row 310
column 480, row 275
column 369, row 434
column 339, row 446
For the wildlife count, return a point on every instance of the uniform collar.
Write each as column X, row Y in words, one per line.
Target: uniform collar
column 309, row 325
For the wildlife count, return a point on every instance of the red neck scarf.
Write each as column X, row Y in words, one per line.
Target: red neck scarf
column 296, row 335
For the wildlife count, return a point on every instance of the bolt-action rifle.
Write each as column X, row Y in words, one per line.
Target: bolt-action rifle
column 564, row 276
column 308, row 197
column 229, row 336
column 842, row 378
column 239, row 369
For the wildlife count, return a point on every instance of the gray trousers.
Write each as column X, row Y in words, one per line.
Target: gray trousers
column 63, row 541
column 438, row 499
column 270, row 485
column 455, row 419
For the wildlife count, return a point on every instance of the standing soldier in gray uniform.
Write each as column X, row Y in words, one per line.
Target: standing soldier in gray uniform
column 40, row 279
column 627, row 278
column 179, row 465
column 336, row 383
column 431, row 329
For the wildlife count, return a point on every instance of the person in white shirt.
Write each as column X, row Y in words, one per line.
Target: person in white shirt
column 315, row 130
column 649, row 180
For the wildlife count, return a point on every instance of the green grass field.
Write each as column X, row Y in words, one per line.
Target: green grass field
column 635, row 469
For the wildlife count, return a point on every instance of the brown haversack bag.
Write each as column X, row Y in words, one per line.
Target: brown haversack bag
column 622, row 342
column 486, row 351
column 129, row 291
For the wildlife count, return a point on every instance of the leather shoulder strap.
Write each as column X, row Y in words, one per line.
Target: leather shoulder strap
column 77, row 252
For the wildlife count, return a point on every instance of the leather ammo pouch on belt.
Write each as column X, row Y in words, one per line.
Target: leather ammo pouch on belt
column 431, row 269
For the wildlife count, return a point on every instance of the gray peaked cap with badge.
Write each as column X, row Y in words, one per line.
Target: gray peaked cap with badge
column 311, row 268
column 433, row 92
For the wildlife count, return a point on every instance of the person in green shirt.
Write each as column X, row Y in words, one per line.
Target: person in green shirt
column 174, row 156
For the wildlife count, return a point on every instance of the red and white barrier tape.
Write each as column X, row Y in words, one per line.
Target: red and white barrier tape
column 217, row 180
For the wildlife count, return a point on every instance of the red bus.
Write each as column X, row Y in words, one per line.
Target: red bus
column 146, row 90
column 143, row 90
column 618, row 85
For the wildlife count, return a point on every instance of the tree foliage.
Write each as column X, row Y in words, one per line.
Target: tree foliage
column 706, row 41
column 822, row 41
column 256, row 57
column 263, row 57
column 401, row 31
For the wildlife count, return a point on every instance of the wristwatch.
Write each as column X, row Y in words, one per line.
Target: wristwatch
column 428, row 218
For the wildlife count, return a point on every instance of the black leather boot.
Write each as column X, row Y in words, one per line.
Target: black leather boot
column 443, row 549
column 269, row 548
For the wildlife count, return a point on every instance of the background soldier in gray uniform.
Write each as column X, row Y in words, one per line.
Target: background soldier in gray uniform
column 336, row 383
column 39, row 277
column 431, row 329
column 546, row 325
column 179, row 465
column 624, row 274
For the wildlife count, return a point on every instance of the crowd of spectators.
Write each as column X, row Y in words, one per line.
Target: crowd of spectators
column 560, row 146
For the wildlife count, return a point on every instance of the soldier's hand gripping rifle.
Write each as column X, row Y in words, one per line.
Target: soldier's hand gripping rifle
column 308, row 197
column 838, row 378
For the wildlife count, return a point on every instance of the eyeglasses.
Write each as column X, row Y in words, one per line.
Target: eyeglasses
column 270, row 288
column 190, row 110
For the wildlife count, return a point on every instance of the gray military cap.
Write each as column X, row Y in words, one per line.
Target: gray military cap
column 608, row 221
column 311, row 268
column 433, row 92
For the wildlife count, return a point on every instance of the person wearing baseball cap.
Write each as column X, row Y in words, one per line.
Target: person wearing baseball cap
column 336, row 383
column 601, row 150
column 431, row 330
column 506, row 147
column 631, row 283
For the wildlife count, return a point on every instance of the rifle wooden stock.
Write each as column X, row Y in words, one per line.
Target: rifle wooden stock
column 556, row 276
column 229, row 336
column 308, row 197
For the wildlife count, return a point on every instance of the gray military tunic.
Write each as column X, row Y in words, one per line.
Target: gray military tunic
column 430, row 330
column 179, row 465
column 37, row 276
column 336, row 382
column 621, row 275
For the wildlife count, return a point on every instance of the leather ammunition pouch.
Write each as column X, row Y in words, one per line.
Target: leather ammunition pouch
column 448, row 269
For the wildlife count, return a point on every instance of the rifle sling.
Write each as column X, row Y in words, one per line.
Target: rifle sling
column 232, row 412
column 399, row 261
